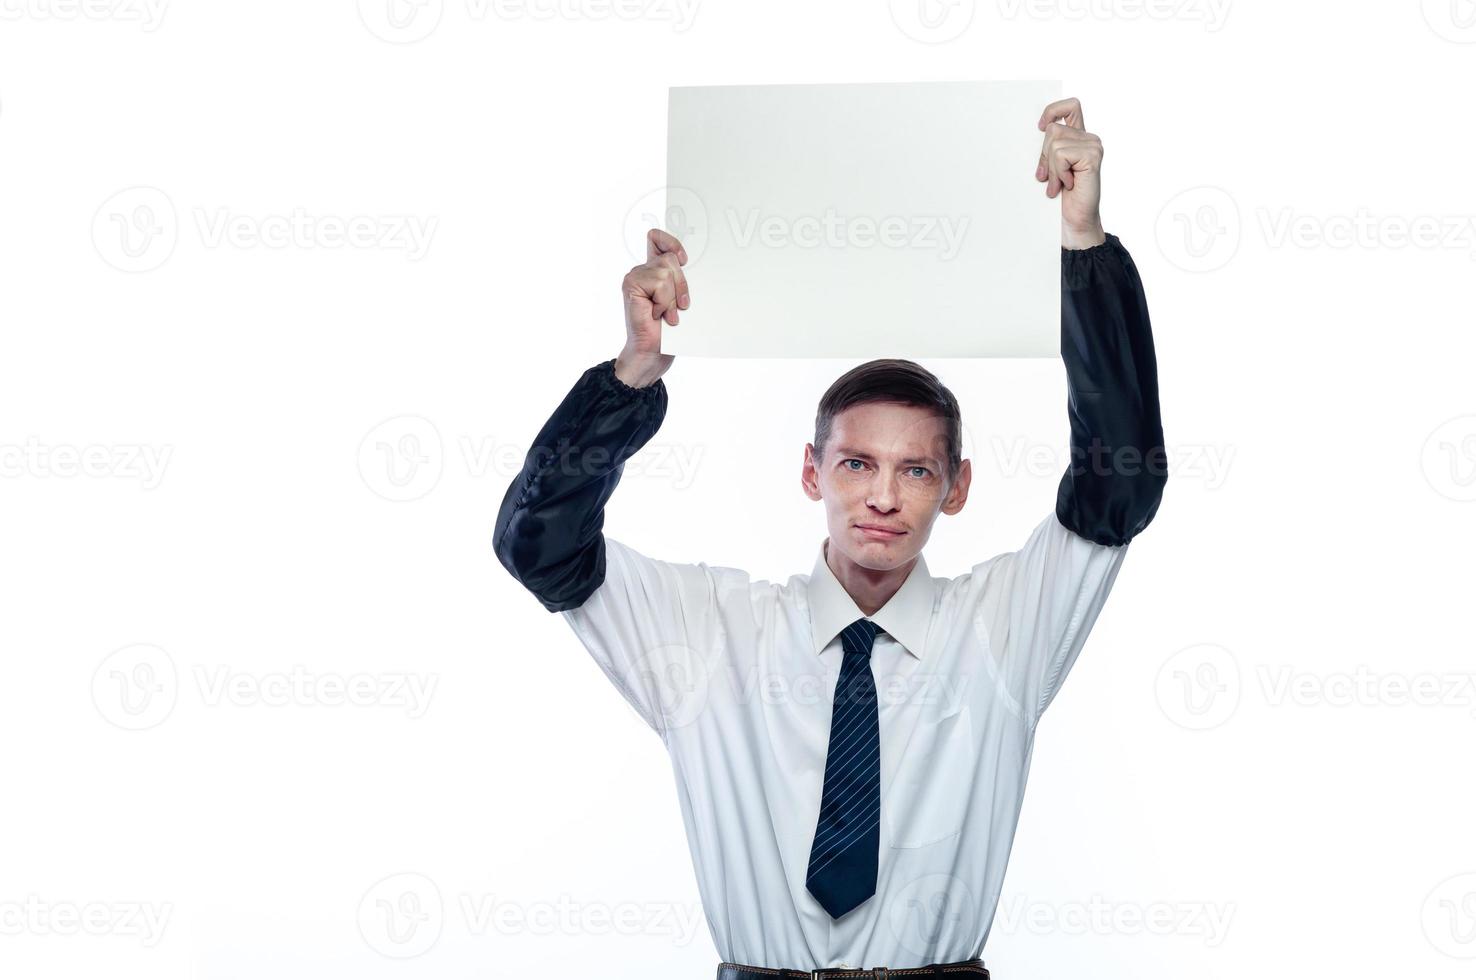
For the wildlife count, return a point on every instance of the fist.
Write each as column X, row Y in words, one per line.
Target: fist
column 1071, row 165
column 654, row 292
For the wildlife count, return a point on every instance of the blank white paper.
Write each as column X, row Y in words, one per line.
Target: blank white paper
column 864, row 220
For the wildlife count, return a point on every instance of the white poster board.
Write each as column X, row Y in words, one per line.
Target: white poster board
column 864, row 220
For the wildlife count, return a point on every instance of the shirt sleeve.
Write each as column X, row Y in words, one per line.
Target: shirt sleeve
column 650, row 625
column 1112, row 489
column 1041, row 602
column 1039, row 605
column 653, row 627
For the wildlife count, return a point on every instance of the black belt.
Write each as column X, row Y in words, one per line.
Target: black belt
column 960, row 969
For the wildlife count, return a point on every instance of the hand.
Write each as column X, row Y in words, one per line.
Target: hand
column 654, row 291
column 1071, row 165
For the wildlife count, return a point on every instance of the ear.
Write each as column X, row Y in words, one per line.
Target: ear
column 810, row 474
column 959, row 492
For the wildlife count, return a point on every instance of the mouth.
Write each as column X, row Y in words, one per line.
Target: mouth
column 880, row 532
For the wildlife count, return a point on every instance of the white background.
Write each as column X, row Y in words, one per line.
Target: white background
column 1247, row 768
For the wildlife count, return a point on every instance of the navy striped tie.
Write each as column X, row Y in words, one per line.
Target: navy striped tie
column 842, row 871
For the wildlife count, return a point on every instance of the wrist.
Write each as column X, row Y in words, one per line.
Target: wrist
column 1087, row 236
column 637, row 370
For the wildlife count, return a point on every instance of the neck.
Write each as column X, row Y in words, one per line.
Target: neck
column 869, row 588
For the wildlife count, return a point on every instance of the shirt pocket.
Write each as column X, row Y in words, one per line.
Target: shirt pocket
column 930, row 793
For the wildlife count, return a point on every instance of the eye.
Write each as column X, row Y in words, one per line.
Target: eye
column 924, row 469
column 844, row 462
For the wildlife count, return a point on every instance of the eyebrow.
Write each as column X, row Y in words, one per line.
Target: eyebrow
column 847, row 452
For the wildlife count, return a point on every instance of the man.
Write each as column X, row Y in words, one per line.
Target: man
column 848, row 829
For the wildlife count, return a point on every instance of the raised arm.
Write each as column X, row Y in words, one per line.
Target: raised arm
column 1113, row 486
column 1041, row 602
column 1118, row 467
column 549, row 527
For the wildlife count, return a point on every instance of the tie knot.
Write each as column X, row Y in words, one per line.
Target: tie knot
column 858, row 637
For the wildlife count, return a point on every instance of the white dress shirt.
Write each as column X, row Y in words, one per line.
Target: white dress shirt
column 738, row 677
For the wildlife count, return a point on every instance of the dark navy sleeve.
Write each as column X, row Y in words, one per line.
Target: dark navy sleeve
column 549, row 531
column 1113, row 486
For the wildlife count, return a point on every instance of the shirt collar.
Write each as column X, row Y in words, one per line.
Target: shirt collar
column 906, row 615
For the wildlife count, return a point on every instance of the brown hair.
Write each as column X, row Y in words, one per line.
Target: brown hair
column 893, row 379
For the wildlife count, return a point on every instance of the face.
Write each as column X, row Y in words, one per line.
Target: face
column 884, row 482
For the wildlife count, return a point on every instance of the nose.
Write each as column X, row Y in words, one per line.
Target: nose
column 883, row 496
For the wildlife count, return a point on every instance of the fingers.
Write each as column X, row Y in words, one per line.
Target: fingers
column 666, row 249
column 1064, row 152
column 1067, row 110
column 1061, row 119
column 661, row 279
column 659, row 242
